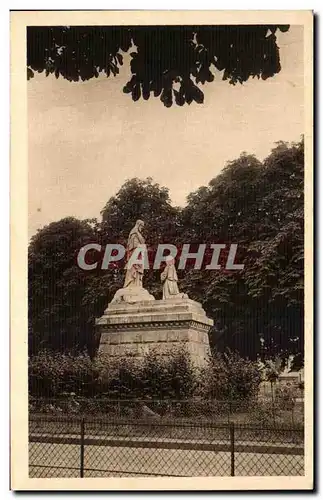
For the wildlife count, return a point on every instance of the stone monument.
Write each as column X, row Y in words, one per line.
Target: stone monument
column 134, row 322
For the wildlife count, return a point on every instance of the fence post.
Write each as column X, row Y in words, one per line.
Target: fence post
column 82, row 448
column 232, row 447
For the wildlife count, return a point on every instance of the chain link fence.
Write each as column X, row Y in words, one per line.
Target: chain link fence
column 129, row 445
column 256, row 412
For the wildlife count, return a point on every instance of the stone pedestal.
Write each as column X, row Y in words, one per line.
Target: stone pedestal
column 133, row 329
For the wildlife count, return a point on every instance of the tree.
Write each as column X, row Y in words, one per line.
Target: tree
column 63, row 300
column 275, row 274
column 219, row 212
column 259, row 207
column 222, row 213
column 168, row 61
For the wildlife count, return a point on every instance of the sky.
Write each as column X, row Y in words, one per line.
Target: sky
column 87, row 138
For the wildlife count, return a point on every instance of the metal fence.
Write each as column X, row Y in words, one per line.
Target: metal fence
column 79, row 446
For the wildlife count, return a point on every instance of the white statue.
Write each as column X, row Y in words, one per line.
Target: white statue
column 133, row 290
column 169, row 279
column 135, row 240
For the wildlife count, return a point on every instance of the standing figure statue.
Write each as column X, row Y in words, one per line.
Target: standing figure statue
column 136, row 240
column 169, row 279
column 133, row 290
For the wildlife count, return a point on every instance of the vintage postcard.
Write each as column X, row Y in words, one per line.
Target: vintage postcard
column 162, row 250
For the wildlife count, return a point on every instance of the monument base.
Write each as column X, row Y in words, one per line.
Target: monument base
column 163, row 325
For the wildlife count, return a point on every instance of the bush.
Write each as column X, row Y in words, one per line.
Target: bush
column 230, row 377
column 119, row 378
column 155, row 376
column 173, row 376
column 227, row 377
column 184, row 377
column 54, row 374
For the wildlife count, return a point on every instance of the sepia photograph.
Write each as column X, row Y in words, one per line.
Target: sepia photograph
column 162, row 220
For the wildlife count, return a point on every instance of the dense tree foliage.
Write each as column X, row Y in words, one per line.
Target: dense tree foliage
column 62, row 307
column 259, row 207
column 257, row 310
column 166, row 61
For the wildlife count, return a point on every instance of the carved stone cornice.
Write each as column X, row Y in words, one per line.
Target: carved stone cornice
column 154, row 325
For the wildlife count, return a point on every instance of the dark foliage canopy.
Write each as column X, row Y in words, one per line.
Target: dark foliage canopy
column 258, row 310
column 260, row 206
column 167, row 61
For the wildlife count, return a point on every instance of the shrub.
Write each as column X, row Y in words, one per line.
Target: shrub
column 52, row 374
column 170, row 377
column 182, row 376
column 155, row 377
column 120, row 379
column 230, row 377
column 173, row 376
column 44, row 374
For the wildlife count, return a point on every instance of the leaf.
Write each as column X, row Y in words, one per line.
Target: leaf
column 145, row 92
column 179, row 98
column 198, row 95
column 30, row 74
column 120, row 58
column 284, row 28
column 136, row 93
column 163, row 53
